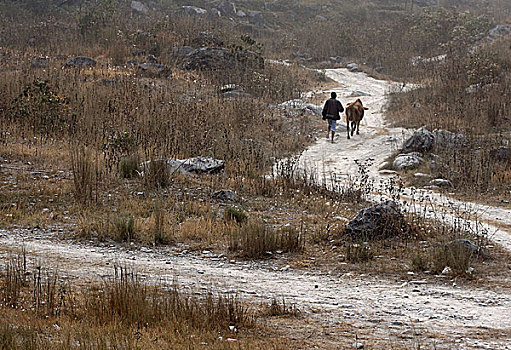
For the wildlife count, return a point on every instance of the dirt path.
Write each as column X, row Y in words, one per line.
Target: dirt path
column 375, row 143
column 380, row 312
column 404, row 313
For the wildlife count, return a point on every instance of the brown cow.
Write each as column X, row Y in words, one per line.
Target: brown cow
column 354, row 114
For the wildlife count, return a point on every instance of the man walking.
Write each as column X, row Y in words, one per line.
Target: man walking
column 331, row 113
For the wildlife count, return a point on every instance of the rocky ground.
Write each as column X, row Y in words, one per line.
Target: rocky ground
column 337, row 309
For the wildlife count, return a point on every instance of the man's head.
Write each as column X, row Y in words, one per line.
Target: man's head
column 333, row 94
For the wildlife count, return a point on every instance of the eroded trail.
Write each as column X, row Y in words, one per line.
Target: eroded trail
column 404, row 313
column 379, row 311
column 376, row 142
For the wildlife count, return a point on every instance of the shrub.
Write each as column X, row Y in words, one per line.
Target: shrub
column 235, row 214
column 124, row 226
column 43, row 110
column 129, row 166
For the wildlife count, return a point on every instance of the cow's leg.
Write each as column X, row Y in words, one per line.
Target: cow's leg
column 358, row 126
column 353, row 126
column 348, row 128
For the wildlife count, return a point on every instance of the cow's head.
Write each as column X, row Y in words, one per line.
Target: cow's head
column 359, row 102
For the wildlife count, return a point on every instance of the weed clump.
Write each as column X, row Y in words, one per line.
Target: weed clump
column 280, row 308
column 358, row 252
column 255, row 239
column 235, row 214
column 85, row 175
column 124, row 226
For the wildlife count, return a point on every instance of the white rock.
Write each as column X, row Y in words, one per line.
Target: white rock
column 440, row 182
column 387, row 172
column 421, row 175
column 446, row 271
column 407, row 161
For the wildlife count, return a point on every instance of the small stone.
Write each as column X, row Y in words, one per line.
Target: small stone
column 358, row 345
column 421, row 175
column 387, row 172
column 440, row 182
column 446, row 271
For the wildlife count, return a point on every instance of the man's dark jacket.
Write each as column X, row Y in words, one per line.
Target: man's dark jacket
column 332, row 109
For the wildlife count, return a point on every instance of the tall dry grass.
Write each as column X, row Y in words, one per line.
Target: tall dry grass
column 468, row 95
column 40, row 310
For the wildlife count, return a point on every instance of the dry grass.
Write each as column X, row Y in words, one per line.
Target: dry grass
column 39, row 310
column 255, row 239
column 467, row 95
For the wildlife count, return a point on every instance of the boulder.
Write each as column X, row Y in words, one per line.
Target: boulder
column 501, row 154
column 213, row 12
column 182, row 51
column 139, row 7
column 241, row 13
column 201, row 165
column 317, row 110
column 256, row 18
column 407, row 161
column 194, row 10
column 293, row 104
column 227, row 8
column 380, row 220
column 150, row 68
column 421, row 141
column 81, row 61
column 352, row 67
column 225, row 195
column 499, row 30
column 208, row 58
column 197, row 165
